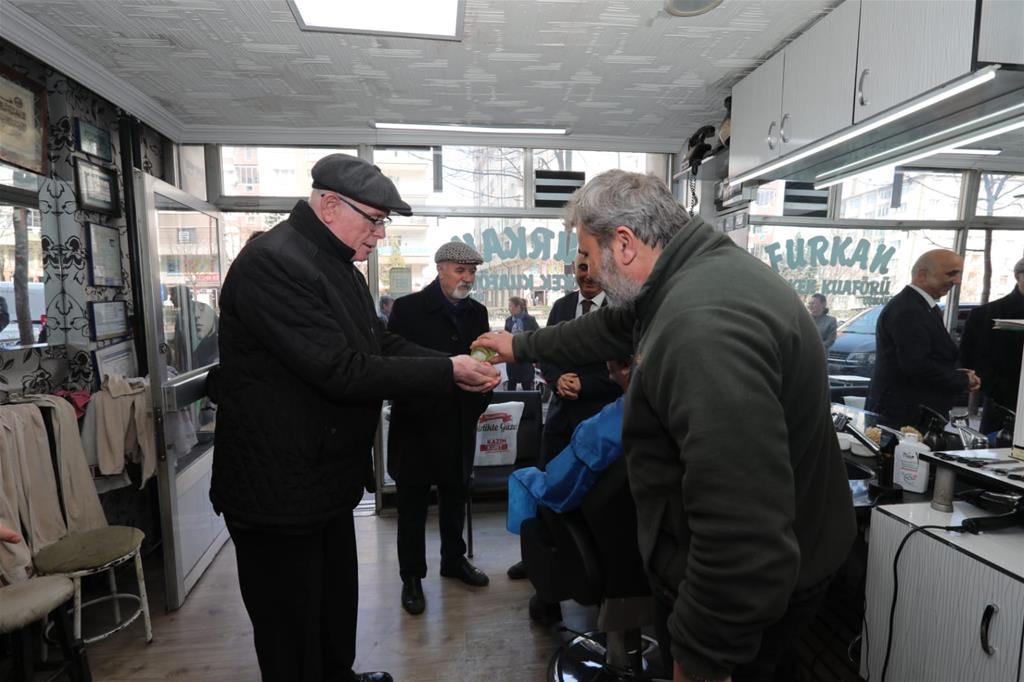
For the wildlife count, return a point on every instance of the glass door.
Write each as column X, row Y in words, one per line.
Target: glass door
column 182, row 269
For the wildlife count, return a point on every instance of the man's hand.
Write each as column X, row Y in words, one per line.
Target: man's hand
column 473, row 375
column 568, row 386
column 500, row 343
column 8, row 535
column 973, row 380
column 679, row 676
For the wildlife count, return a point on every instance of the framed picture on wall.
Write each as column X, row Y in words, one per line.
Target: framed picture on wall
column 107, row 319
column 23, row 131
column 96, row 188
column 103, row 249
column 93, row 140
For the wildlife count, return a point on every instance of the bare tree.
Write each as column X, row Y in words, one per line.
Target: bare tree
column 21, row 302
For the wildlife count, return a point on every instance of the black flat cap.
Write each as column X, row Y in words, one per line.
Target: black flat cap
column 360, row 180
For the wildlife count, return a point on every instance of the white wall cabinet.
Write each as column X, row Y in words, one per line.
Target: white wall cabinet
column 950, row 584
column 756, row 112
column 907, row 48
column 816, row 99
column 1001, row 36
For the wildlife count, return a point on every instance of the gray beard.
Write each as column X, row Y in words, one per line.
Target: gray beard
column 620, row 290
column 461, row 293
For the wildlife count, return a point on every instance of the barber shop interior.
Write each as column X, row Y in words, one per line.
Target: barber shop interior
column 512, row 340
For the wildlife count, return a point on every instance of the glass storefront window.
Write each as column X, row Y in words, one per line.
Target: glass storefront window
column 455, row 176
column 595, row 163
column 1006, row 249
column 921, row 195
column 522, row 257
column 1001, row 194
column 240, row 227
column 15, row 177
column 855, row 269
column 16, row 223
column 270, row 171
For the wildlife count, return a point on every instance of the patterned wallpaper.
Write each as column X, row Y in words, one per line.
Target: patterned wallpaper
column 67, row 362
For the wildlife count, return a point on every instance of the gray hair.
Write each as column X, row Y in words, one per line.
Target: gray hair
column 640, row 202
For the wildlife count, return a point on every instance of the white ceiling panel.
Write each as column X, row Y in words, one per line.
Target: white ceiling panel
column 614, row 68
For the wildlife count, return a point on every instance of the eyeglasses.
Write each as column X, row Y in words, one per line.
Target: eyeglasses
column 378, row 221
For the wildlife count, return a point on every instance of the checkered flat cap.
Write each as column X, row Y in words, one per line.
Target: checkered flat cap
column 457, row 252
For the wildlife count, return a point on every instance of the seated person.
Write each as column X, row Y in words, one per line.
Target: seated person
column 596, row 444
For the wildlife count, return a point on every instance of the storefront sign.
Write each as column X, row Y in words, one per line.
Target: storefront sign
column 818, row 252
column 514, row 243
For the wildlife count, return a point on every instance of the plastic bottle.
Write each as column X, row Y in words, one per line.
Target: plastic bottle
column 909, row 471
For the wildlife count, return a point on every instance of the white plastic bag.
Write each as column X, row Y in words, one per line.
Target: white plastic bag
column 496, row 434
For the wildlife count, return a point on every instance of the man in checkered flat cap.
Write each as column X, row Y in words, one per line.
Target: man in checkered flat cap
column 432, row 441
column 305, row 364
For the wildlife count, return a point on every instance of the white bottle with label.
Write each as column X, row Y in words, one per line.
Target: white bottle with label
column 909, row 471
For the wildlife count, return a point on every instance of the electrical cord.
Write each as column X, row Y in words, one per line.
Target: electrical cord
column 896, row 586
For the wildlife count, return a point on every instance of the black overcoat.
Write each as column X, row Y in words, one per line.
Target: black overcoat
column 433, row 440
column 304, row 366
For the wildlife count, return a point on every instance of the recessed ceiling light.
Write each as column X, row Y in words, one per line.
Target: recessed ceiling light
column 437, row 19
column 469, row 129
column 690, row 8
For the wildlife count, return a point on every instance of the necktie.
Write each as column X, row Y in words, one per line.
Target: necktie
column 938, row 314
column 587, row 305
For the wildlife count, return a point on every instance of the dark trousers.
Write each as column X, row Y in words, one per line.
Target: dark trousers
column 301, row 589
column 413, row 500
column 776, row 660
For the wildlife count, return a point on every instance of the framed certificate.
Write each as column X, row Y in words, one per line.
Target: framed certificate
column 103, row 249
column 107, row 319
column 23, row 131
column 117, row 359
column 96, row 188
column 93, row 140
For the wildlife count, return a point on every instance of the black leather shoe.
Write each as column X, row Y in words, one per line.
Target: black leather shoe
column 544, row 613
column 412, row 601
column 466, row 572
column 517, row 571
column 374, row 677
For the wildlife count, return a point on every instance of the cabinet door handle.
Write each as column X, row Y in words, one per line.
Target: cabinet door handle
column 860, row 87
column 782, row 129
column 986, row 622
column 771, row 131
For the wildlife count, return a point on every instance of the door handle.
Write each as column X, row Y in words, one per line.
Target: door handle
column 771, row 131
column 782, row 129
column 862, row 98
column 986, row 623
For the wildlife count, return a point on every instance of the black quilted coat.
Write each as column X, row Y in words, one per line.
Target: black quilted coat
column 305, row 364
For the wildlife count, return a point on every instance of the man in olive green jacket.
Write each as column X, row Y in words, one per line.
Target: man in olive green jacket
column 744, row 512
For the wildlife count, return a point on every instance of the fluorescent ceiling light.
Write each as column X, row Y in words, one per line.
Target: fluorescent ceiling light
column 920, row 141
column 439, row 19
column 974, row 152
column 983, row 76
column 989, row 132
column 470, row 129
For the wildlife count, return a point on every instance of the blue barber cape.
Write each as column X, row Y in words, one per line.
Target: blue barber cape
column 596, row 445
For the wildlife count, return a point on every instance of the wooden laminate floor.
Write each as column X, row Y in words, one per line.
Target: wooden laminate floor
column 465, row 634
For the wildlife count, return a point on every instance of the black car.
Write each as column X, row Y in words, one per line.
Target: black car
column 854, row 349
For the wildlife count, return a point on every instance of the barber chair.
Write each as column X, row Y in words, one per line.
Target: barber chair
column 589, row 555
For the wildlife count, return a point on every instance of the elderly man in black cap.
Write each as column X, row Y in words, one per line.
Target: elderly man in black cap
column 305, row 364
column 432, row 441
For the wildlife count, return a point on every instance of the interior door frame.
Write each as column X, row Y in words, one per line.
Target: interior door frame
column 179, row 579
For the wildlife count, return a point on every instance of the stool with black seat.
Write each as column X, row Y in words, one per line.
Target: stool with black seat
column 590, row 555
column 30, row 601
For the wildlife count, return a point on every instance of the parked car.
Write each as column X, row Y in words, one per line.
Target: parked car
column 854, row 349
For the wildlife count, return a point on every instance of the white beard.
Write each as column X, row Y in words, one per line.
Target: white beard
column 461, row 292
column 620, row 290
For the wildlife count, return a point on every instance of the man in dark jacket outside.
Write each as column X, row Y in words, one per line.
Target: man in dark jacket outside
column 433, row 441
column 743, row 507
column 305, row 364
column 995, row 354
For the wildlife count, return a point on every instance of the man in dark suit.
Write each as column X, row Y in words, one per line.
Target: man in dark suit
column 433, row 442
column 916, row 360
column 579, row 391
column 995, row 354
